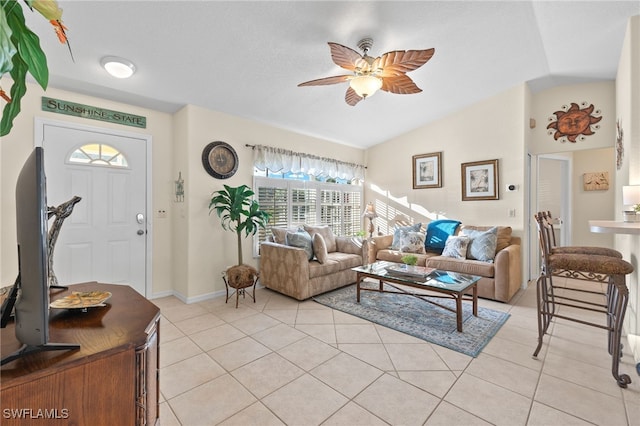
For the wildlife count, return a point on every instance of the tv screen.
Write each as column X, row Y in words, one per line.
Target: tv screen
column 32, row 306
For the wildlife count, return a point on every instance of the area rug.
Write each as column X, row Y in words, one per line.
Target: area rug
column 418, row 318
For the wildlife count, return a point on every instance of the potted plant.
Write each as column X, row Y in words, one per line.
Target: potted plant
column 241, row 214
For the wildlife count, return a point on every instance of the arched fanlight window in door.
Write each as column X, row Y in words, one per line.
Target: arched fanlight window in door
column 98, row 154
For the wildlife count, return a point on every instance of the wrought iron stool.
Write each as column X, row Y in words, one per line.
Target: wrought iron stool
column 608, row 270
column 555, row 249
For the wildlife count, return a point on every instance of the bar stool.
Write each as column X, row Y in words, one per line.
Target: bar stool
column 591, row 267
column 555, row 249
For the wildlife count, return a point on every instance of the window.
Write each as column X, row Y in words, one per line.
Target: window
column 98, row 154
column 296, row 202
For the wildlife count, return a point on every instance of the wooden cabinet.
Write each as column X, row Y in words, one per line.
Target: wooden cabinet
column 111, row 380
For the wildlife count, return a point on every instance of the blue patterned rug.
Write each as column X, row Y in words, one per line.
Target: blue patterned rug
column 418, row 318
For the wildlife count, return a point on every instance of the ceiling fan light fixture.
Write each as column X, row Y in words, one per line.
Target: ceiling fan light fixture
column 118, row 67
column 365, row 85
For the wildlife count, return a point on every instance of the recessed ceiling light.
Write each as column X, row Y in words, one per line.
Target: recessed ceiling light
column 118, row 67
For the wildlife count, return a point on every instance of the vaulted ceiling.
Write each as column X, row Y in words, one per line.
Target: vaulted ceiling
column 246, row 57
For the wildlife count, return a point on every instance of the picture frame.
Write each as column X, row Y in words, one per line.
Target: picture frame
column 427, row 170
column 480, row 180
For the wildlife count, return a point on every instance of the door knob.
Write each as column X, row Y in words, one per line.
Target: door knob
column 140, row 232
column 140, row 218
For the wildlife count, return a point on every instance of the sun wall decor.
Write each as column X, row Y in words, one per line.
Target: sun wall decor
column 619, row 144
column 573, row 123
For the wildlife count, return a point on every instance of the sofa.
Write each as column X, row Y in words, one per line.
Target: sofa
column 500, row 276
column 288, row 267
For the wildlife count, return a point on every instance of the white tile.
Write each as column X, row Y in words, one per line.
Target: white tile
column 267, row 374
column 542, row 415
column 584, row 403
column 212, row 402
column 187, row 374
column 502, row 373
column 238, row 353
column 255, row 323
column 353, row 415
column 371, row 353
column 177, row 350
column 305, row 401
column 308, row 353
column 414, row 356
column 357, row 333
column 346, row 374
column 279, row 336
column 397, row 402
column 490, row 402
column 217, row 336
column 255, row 414
column 447, row 414
column 199, row 323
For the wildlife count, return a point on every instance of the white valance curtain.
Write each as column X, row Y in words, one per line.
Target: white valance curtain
column 284, row 161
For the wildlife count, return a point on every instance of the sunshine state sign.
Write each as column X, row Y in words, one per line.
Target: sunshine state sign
column 59, row 106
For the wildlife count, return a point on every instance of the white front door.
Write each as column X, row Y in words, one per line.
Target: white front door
column 105, row 238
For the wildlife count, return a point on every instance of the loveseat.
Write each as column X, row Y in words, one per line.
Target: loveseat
column 288, row 267
column 500, row 276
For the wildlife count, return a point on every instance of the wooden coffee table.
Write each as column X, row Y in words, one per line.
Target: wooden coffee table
column 451, row 284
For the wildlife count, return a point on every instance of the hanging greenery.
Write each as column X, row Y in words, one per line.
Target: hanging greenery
column 20, row 52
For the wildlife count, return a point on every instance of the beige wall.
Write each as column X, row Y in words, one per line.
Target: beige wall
column 628, row 111
column 209, row 248
column 492, row 129
column 16, row 146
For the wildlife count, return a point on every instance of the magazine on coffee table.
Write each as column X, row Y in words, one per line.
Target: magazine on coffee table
column 409, row 271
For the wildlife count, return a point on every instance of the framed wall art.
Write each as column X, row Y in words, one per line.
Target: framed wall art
column 595, row 181
column 480, row 180
column 427, row 170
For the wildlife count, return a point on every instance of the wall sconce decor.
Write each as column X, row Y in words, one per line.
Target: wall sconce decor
column 179, row 188
column 370, row 213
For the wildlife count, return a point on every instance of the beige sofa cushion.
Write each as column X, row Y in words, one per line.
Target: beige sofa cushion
column 463, row 266
column 280, row 234
column 504, row 234
column 320, row 248
column 326, row 233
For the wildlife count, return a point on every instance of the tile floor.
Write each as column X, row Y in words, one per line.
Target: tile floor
column 280, row 361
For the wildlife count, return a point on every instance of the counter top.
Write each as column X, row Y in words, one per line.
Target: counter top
column 614, row 227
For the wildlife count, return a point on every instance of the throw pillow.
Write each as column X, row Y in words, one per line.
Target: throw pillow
column 327, row 234
column 483, row 244
column 319, row 248
column 456, row 247
column 395, row 244
column 437, row 233
column 412, row 242
column 280, row 234
column 300, row 239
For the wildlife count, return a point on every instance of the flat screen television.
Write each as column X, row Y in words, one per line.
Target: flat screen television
column 32, row 299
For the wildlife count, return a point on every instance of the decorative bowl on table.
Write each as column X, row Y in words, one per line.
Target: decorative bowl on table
column 81, row 300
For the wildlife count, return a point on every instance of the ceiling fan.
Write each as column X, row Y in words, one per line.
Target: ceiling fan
column 386, row 72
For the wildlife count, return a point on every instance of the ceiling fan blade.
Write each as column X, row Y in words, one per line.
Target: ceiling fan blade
column 345, row 57
column 326, row 81
column 351, row 97
column 400, row 84
column 399, row 62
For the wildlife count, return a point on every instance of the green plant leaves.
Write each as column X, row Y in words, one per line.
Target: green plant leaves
column 25, row 56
